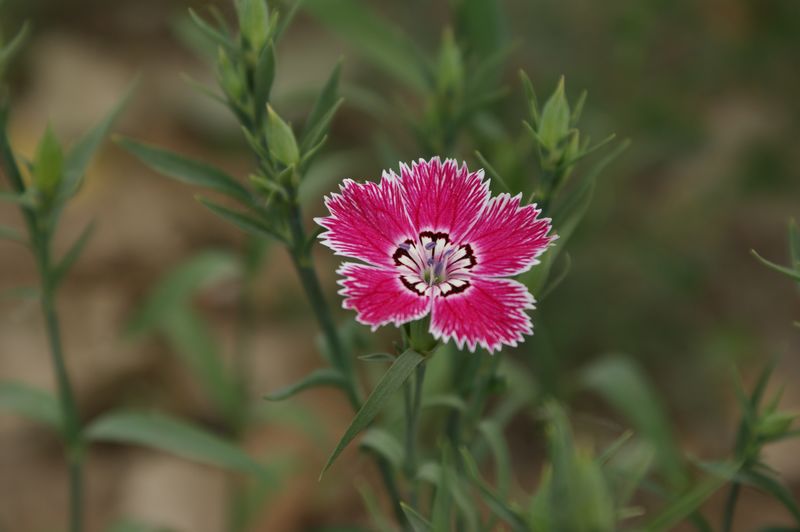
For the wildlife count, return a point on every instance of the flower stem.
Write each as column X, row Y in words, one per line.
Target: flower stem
column 69, row 410
column 413, row 393
column 301, row 257
column 39, row 235
column 730, row 507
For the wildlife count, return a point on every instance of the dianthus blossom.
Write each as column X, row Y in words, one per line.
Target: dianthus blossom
column 434, row 242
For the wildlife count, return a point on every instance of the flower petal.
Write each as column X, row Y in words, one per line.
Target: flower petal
column 379, row 296
column 507, row 238
column 368, row 220
column 490, row 313
column 443, row 197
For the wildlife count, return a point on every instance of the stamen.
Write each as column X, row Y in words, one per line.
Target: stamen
column 430, row 245
column 405, row 245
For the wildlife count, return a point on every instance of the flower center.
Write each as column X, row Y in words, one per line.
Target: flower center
column 431, row 264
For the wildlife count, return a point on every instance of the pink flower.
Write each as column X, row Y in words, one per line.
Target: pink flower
column 435, row 242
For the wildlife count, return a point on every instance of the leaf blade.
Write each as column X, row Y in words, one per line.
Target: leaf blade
column 186, row 170
column 391, row 381
column 171, row 435
column 30, row 403
column 317, row 378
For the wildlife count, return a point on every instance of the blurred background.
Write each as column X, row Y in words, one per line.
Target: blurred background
column 661, row 269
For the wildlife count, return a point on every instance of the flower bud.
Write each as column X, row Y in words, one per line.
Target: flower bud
column 253, row 22
column 451, row 67
column 554, row 122
column 229, row 77
column 774, row 425
column 280, row 139
column 48, row 165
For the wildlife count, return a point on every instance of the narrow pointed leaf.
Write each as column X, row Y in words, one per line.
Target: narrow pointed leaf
column 172, row 435
column 385, row 444
column 774, row 487
column 30, row 403
column 794, row 244
column 620, row 382
column 78, row 157
column 246, row 223
column 391, row 381
column 493, row 434
column 689, row 502
column 445, row 400
column 9, row 233
column 327, row 100
column 177, row 287
column 324, row 377
column 186, row 170
column 8, row 51
column 376, row 38
column 377, row 357
column 189, row 336
column 416, row 520
column 62, row 268
column 793, row 274
column 264, row 77
column 212, row 34
column 497, row 504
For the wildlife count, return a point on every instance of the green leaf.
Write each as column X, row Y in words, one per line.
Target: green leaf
column 690, row 501
column 317, row 378
column 328, row 99
column 9, row 233
column 794, row 244
column 280, row 139
column 377, row 357
column 792, row 274
column 415, row 519
column 171, row 435
column 376, row 38
column 530, row 96
column 19, row 199
column 212, row 34
column 246, row 223
column 78, row 157
column 176, row 288
column 385, row 444
column 445, row 400
column 264, row 77
column 620, row 382
column 496, row 503
column 186, row 170
column 482, row 24
column 391, row 381
column 568, row 214
column 30, row 403
column 8, row 51
column 493, row 434
column 774, row 487
column 62, row 268
column 192, row 341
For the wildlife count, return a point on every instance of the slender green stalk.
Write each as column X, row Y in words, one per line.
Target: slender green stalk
column 39, row 232
column 413, row 393
column 69, row 410
column 301, row 258
column 730, row 507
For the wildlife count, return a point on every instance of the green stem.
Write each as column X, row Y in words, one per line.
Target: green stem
column 413, row 394
column 730, row 507
column 40, row 243
column 313, row 289
column 69, row 410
